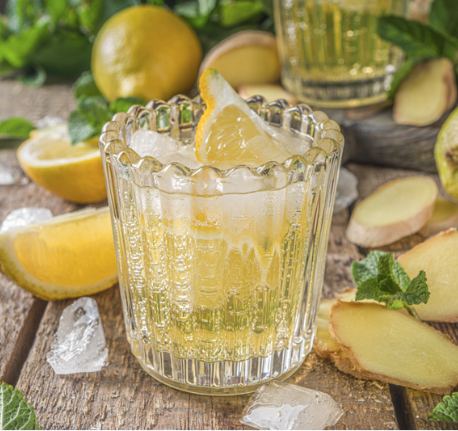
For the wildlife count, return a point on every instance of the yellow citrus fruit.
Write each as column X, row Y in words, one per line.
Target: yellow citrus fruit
column 145, row 51
column 229, row 132
column 72, row 172
column 64, row 257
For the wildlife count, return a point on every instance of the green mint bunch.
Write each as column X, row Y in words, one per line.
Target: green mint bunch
column 381, row 278
column 447, row 410
column 419, row 41
column 15, row 412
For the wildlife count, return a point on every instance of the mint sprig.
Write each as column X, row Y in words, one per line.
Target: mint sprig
column 381, row 278
column 15, row 412
column 447, row 410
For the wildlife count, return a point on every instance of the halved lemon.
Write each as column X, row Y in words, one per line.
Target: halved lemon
column 72, row 172
column 230, row 133
column 65, row 257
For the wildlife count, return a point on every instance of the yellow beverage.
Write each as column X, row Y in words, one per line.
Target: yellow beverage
column 220, row 271
column 331, row 53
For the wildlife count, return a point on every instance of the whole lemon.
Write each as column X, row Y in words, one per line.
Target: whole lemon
column 145, row 51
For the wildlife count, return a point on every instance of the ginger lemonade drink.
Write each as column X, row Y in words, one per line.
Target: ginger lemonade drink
column 221, row 212
column 330, row 51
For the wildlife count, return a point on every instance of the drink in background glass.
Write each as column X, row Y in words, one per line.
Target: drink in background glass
column 220, row 272
column 330, row 52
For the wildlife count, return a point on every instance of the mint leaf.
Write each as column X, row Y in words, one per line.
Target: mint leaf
column 15, row 412
column 123, row 104
column 35, row 77
column 381, row 278
column 16, row 127
column 366, row 268
column 443, row 16
column 415, row 38
column 447, row 410
column 85, row 86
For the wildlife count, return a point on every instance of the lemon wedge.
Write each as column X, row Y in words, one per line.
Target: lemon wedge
column 72, row 172
column 65, row 257
column 229, row 132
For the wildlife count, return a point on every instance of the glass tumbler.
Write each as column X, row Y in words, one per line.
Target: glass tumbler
column 220, row 271
column 330, row 52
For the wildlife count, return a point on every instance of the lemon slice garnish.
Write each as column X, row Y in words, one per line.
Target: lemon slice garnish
column 72, row 172
column 229, row 133
column 64, row 257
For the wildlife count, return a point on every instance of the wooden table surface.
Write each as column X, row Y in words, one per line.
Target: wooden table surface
column 123, row 396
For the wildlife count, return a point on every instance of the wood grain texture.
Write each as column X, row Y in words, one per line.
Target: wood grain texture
column 377, row 140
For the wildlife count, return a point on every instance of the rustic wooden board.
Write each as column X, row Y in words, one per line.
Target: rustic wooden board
column 418, row 404
column 124, row 396
column 376, row 139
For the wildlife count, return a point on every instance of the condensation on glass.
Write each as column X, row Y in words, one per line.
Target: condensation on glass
column 220, row 272
column 330, row 52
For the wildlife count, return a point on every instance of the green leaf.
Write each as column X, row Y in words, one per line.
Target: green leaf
column 19, row 48
column 22, row 14
column 403, row 72
column 65, row 53
column 87, row 120
column 415, row 38
column 381, row 278
column 16, row 127
column 447, row 410
column 85, row 86
column 443, row 16
column 56, row 9
column 35, row 77
column 366, row 268
column 239, row 11
column 15, row 412
column 123, row 104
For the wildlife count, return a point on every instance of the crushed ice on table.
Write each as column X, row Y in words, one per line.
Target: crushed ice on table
column 6, row 176
column 25, row 216
column 49, row 121
column 347, row 190
column 282, row 406
column 79, row 343
column 163, row 148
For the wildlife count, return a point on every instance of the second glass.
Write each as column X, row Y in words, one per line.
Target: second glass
column 330, row 52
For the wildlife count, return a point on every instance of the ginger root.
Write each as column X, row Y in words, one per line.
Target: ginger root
column 268, row 91
column 438, row 257
column 392, row 347
column 247, row 57
column 426, row 94
column 397, row 209
column 445, row 216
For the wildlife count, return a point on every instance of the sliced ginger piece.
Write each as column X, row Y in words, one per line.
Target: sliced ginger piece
column 445, row 216
column 397, row 209
column 393, row 347
column 268, row 91
column 426, row 94
column 438, row 257
column 247, row 57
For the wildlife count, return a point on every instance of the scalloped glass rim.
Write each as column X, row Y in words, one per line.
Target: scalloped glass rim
column 179, row 117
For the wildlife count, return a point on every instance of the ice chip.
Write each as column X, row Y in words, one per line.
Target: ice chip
column 186, row 156
column 49, row 121
column 150, row 143
column 24, row 217
column 282, row 406
column 347, row 190
column 79, row 343
column 6, row 176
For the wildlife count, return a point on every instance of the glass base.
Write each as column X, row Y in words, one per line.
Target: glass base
column 224, row 378
column 347, row 94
